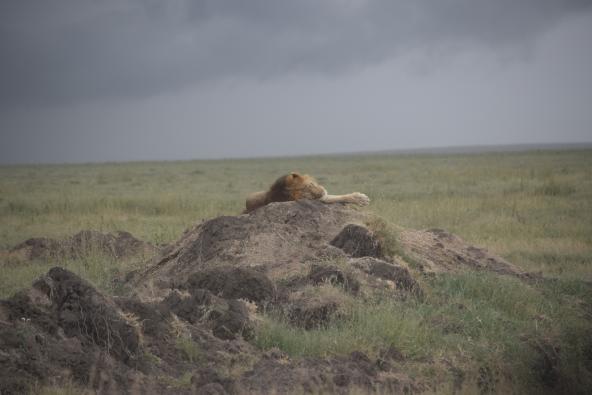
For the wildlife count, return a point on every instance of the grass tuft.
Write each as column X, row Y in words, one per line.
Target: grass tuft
column 190, row 349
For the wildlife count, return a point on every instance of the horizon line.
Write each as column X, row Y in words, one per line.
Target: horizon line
column 429, row 150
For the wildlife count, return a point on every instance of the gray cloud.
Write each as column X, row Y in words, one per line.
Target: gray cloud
column 68, row 51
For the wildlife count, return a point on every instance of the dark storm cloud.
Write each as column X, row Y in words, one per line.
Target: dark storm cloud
column 66, row 51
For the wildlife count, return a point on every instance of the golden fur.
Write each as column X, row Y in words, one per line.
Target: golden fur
column 295, row 186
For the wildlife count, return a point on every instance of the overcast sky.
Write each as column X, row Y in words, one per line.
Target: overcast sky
column 90, row 80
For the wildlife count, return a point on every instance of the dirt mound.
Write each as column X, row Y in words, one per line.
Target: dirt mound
column 186, row 324
column 436, row 250
column 277, row 239
column 281, row 239
column 62, row 330
column 273, row 254
column 120, row 245
column 35, row 248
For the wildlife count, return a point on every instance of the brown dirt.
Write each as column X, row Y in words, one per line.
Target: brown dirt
column 276, row 239
column 228, row 318
column 436, row 250
column 121, row 245
column 358, row 241
column 233, row 282
column 60, row 329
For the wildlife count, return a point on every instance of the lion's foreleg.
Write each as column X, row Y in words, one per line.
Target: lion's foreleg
column 355, row 198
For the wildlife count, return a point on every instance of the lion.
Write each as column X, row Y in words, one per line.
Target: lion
column 295, row 186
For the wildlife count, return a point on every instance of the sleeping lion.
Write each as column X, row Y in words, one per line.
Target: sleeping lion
column 295, row 186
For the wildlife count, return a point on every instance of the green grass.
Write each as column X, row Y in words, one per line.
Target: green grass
column 364, row 326
column 478, row 320
column 105, row 272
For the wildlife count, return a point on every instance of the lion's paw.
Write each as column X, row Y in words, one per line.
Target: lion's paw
column 360, row 199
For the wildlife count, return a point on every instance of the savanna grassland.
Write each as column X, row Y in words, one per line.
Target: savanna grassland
column 533, row 208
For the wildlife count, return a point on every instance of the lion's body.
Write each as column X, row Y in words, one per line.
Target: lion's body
column 295, row 187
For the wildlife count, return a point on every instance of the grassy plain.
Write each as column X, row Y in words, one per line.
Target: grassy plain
column 533, row 208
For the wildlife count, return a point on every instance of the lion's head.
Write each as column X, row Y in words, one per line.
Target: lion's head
column 303, row 186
